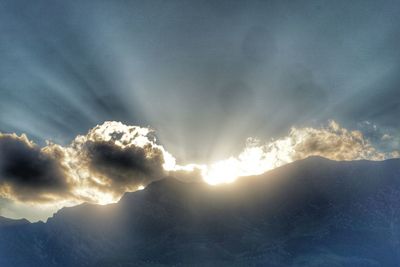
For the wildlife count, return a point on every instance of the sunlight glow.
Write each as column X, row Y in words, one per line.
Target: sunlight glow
column 333, row 142
column 252, row 161
column 99, row 187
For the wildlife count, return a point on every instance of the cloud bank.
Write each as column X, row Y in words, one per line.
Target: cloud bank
column 29, row 173
column 332, row 142
column 111, row 159
column 114, row 158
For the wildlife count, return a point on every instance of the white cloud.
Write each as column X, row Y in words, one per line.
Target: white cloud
column 332, row 142
column 113, row 158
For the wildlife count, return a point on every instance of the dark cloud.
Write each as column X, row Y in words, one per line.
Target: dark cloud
column 124, row 168
column 109, row 160
column 113, row 158
column 27, row 173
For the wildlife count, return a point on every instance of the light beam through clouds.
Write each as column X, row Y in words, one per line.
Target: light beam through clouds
column 114, row 158
column 259, row 66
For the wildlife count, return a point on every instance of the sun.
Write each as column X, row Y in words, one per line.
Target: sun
column 225, row 171
column 252, row 161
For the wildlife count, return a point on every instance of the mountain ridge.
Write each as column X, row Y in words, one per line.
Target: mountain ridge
column 11, row 222
column 313, row 212
column 307, row 160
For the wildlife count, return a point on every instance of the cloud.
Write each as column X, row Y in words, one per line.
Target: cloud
column 124, row 166
column 99, row 167
column 113, row 158
column 120, row 158
column 332, row 142
column 28, row 173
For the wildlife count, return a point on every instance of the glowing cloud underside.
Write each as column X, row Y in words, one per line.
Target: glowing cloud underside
column 114, row 158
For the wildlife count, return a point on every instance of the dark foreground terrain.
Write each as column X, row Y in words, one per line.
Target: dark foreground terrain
column 313, row 212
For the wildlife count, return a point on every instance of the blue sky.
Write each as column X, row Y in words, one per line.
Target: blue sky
column 205, row 75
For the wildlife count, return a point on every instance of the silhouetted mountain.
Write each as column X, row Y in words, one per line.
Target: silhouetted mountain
column 313, row 212
column 4, row 222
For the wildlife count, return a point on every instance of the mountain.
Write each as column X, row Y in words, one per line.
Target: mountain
column 5, row 222
column 313, row 212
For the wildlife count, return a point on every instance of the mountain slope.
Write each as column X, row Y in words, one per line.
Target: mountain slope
column 5, row 222
column 313, row 212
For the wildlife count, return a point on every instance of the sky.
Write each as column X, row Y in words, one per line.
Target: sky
column 220, row 83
